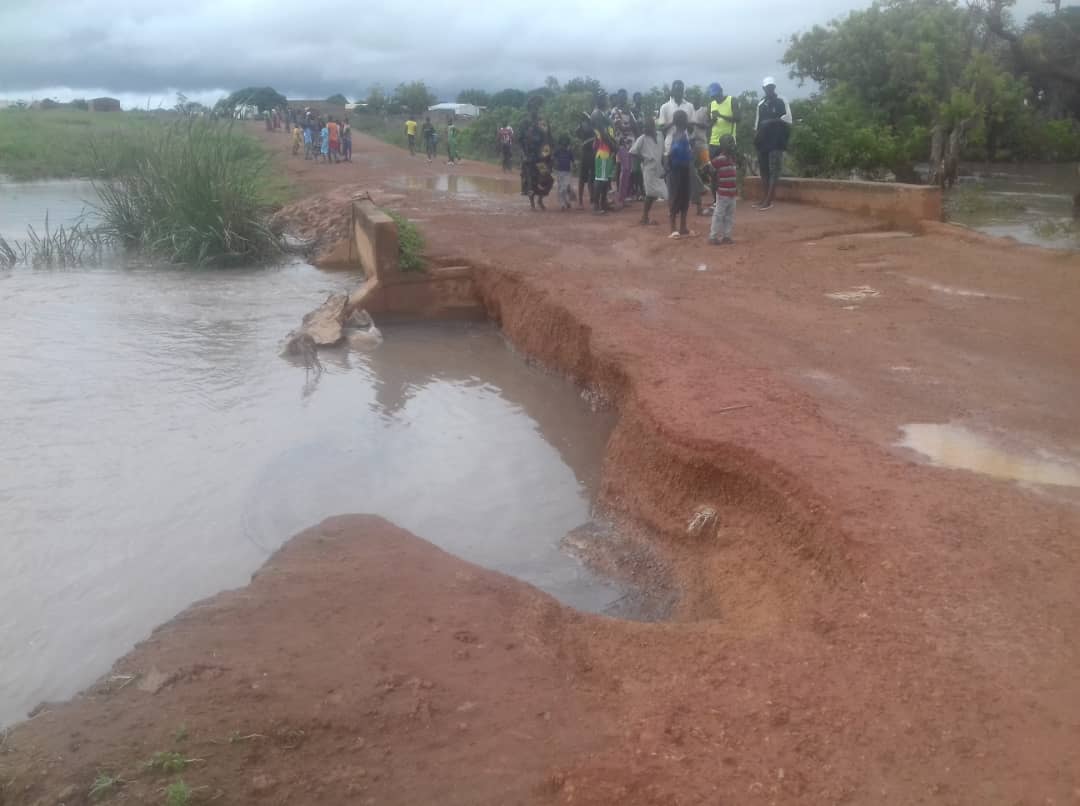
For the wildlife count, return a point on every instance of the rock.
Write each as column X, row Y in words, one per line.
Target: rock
column 701, row 520
column 324, row 324
column 360, row 331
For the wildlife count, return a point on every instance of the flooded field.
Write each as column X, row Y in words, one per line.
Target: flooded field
column 157, row 449
column 1031, row 203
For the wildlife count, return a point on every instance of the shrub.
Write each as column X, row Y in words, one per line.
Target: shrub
column 190, row 192
column 410, row 243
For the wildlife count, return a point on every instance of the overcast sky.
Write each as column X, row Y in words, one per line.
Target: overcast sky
column 146, row 50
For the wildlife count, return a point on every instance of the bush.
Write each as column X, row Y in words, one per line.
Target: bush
column 190, row 192
column 410, row 243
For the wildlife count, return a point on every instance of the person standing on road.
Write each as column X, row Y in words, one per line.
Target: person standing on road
column 410, row 133
column 605, row 147
column 587, row 165
column 722, row 117
column 651, row 153
column 665, row 121
column 451, row 142
column 680, row 166
column 430, row 138
column 506, row 146
column 772, row 128
column 564, row 166
column 335, row 143
column 724, row 185
column 622, row 121
column 536, row 154
column 346, row 140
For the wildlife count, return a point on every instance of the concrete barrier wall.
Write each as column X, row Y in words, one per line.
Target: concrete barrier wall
column 438, row 292
column 895, row 203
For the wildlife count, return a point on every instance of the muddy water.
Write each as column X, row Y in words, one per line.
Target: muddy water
column 464, row 186
column 1028, row 198
column 957, row 447
column 156, row 449
column 24, row 204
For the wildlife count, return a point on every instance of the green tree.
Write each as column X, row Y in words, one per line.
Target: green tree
column 413, row 96
column 509, row 97
column 475, row 97
column 906, row 65
column 586, row 84
column 376, row 100
column 337, row 99
column 262, row 98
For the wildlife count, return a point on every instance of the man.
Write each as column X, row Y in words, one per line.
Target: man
column 665, row 121
column 430, row 138
column 622, row 121
column 410, row 132
column 506, row 146
column 723, row 114
column 587, row 164
column 772, row 128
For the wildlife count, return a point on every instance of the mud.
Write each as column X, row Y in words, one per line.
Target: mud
column 864, row 627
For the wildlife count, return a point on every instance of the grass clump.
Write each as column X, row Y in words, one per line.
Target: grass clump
column 104, row 785
column 74, row 245
column 190, row 192
column 178, row 793
column 1055, row 229
column 979, row 201
column 168, row 762
column 410, row 243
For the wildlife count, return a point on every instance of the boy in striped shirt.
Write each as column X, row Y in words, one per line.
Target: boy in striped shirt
column 723, row 181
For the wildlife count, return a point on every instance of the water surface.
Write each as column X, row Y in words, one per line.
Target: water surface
column 156, row 450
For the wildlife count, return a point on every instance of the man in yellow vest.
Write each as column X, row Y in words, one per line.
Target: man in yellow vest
column 722, row 115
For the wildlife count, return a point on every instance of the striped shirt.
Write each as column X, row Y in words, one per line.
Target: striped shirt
column 723, row 168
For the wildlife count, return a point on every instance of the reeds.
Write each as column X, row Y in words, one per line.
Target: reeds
column 190, row 192
column 72, row 245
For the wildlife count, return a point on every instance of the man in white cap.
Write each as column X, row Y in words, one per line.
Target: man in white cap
column 772, row 128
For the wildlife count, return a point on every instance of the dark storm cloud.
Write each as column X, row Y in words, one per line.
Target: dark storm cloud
column 319, row 47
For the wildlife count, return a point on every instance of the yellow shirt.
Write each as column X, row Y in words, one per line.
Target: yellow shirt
column 410, row 127
column 720, row 127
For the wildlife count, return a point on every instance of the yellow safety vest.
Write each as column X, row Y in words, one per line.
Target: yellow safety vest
column 720, row 127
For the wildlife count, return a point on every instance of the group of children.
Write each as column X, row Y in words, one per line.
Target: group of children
column 328, row 140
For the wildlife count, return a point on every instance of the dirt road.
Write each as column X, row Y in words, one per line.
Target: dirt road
column 857, row 626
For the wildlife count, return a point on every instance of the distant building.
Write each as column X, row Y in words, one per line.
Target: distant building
column 457, row 110
column 104, row 105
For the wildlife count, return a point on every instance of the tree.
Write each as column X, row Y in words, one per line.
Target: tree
column 414, row 97
column 80, row 104
column 474, row 97
column 584, row 84
column 551, row 83
column 904, row 64
column 511, row 98
column 337, row 99
column 262, row 98
column 376, row 100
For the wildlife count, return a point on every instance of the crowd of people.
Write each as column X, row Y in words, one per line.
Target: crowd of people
column 324, row 139
column 675, row 155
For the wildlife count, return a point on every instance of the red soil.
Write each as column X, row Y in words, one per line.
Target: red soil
column 858, row 626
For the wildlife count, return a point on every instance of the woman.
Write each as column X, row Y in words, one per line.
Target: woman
column 536, row 153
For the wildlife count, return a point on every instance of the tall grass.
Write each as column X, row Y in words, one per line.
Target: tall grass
column 190, row 192
column 73, row 245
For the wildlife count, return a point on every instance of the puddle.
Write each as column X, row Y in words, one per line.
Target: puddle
column 957, row 447
column 856, row 294
column 464, row 186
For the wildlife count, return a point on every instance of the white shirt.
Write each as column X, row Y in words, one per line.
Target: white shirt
column 666, row 119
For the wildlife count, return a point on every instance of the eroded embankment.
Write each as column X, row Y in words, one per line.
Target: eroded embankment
column 745, row 536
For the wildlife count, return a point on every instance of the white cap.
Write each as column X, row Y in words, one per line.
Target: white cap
column 767, row 81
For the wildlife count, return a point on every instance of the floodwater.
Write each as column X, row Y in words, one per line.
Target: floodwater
column 24, row 204
column 957, row 447
column 464, row 187
column 1028, row 197
column 156, row 450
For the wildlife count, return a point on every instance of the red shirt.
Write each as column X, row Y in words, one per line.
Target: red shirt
column 724, row 175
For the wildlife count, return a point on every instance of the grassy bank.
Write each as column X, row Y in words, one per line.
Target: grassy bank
column 61, row 144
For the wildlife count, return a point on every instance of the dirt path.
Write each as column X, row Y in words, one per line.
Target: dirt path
column 858, row 626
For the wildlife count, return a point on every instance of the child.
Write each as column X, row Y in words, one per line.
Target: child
column 723, row 182
column 346, row 140
column 564, row 165
column 335, row 141
column 296, row 140
column 309, row 141
column 324, row 142
column 650, row 151
column 451, row 142
column 680, row 161
column 429, row 135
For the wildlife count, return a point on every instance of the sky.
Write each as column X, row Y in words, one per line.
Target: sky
column 145, row 51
